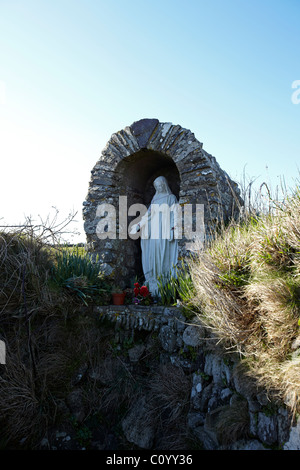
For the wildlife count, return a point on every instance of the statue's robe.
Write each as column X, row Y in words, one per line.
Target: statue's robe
column 159, row 244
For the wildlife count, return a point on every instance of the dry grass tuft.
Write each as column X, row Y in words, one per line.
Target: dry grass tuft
column 21, row 414
column 170, row 388
column 25, row 264
column 169, row 402
column 233, row 423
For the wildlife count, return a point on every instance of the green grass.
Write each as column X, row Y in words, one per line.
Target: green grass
column 179, row 287
column 74, row 271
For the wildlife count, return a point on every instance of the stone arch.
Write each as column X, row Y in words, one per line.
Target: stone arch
column 134, row 176
column 129, row 163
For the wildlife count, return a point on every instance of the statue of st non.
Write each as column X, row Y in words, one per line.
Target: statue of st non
column 157, row 227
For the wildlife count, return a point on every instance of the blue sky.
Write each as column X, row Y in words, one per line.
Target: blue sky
column 72, row 72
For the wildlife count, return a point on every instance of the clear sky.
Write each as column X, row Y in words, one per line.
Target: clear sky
column 73, row 72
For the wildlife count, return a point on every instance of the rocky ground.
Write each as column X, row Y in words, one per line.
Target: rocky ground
column 166, row 389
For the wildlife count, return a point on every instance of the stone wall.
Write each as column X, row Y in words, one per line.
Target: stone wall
column 128, row 165
column 227, row 410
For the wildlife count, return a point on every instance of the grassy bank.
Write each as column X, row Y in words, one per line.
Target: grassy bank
column 247, row 291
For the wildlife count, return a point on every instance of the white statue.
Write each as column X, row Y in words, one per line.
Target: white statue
column 159, row 243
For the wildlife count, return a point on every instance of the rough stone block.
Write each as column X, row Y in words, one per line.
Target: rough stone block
column 168, row 339
column 142, row 130
column 136, row 427
column 192, row 336
column 267, row 428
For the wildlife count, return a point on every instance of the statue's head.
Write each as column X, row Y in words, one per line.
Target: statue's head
column 161, row 185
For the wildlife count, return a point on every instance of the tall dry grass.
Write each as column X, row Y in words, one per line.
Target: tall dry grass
column 247, row 283
column 42, row 345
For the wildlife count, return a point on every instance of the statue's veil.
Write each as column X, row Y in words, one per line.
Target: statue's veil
column 167, row 190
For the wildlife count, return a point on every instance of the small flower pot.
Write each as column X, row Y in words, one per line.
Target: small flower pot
column 118, row 299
